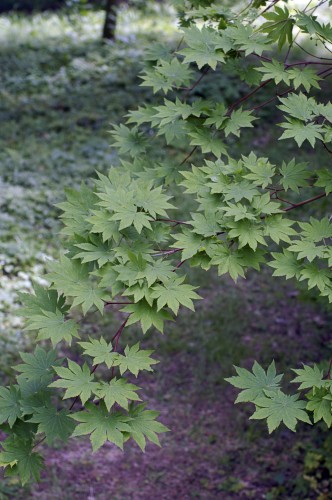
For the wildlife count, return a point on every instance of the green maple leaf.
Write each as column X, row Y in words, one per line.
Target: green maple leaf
column 261, row 170
column 294, row 175
column 176, row 72
column 285, row 264
column 173, row 293
column 245, row 38
column 95, row 252
column 307, row 250
column 320, row 403
column 143, row 114
column 100, row 351
column 10, row 408
column 237, row 120
column 101, row 223
column 208, row 144
column 228, row 261
column 254, row 383
column 274, row 70
column 35, row 393
column 55, row 424
column 238, row 211
column 17, row 454
column 128, row 140
column 247, row 233
column 299, row 106
column 305, row 76
column 38, row 366
column 52, row 325
column 316, row 230
column 203, row 47
column 189, row 242
column 309, row 377
column 77, row 380
column 42, row 300
column 278, row 407
column 147, row 315
column 217, row 115
column 72, row 278
column 206, row 224
column 117, row 391
column 321, row 278
column 158, row 270
column 143, row 425
column 278, row 228
column 301, row 132
column 324, row 180
column 239, row 190
column 76, row 210
column 101, row 425
column 135, row 360
column 279, row 26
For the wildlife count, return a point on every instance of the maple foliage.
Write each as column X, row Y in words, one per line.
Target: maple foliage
column 123, row 242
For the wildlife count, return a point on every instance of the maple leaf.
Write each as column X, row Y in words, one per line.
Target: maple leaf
column 101, row 426
column 143, row 425
column 10, row 408
column 117, row 391
column 147, row 315
column 237, row 120
column 52, row 325
column 17, row 454
column 320, row 402
column 39, row 365
column 135, row 360
column 173, row 293
column 254, row 383
column 100, row 351
column 77, row 380
column 278, row 407
column 309, row 377
column 53, row 423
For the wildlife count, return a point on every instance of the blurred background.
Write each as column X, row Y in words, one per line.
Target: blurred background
column 69, row 68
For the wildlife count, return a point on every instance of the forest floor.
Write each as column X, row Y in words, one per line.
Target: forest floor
column 60, row 89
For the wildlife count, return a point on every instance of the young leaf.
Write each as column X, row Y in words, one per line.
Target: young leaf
column 117, row 391
column 143, row 425
column 135, row 360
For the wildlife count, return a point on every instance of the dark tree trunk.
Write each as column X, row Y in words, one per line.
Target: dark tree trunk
column 110, row 19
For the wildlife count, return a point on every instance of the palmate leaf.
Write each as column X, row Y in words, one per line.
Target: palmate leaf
column 316, row 230
column 10, row 408
column 143, row 425
column 38, row 366
column 189, row 242
column 42, row 300
column 228, row 261
column 247, row 233
column 53, row 326
column 309, row 377
column 18, row 458
column 301, row 132
column 254, row 383
column 279, row 26
column 117, row 391
column 77, row 380
column 320, row 402
column 278, row 407
column 294, row 175
column 72, row 278
column 285, row 264
column 100, row 351
column 299, row 106
column 237, row 120
column 101, row 426
column 203, row 47
column 55, row 424
column 245, row 38
column 146, row 315
column 306, row 77
column 135, row 360
column 173, row 293
column 207, row 142
column 274, row 70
